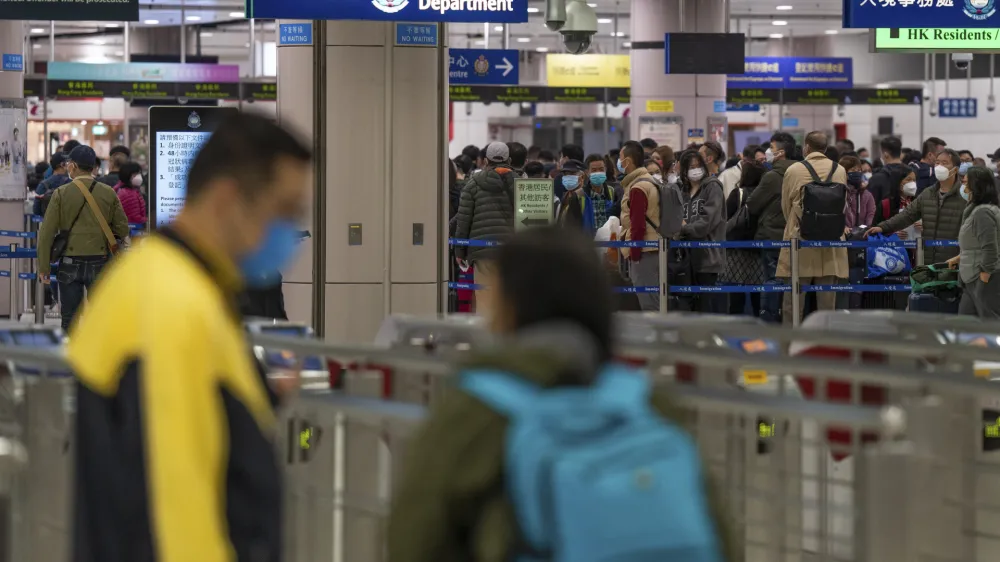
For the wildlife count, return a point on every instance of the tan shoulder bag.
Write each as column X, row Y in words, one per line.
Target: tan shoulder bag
column 112, row 244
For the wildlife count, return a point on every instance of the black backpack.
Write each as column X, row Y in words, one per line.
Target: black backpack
column 823, row 205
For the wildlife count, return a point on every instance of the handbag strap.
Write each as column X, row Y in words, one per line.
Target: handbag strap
column 112, row 245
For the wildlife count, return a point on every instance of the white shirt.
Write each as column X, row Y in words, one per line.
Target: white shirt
column 730, row 177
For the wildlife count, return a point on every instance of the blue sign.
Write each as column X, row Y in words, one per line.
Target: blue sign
column 789, row 122
column 921, row 13
column 958, row 107
column 12, row 63
column 452, row 11
column 483, row 66
column 719, row 106
column 417, row 34
column 696, row 135
column 742, row 107
column 796, row 73
column 295, row 34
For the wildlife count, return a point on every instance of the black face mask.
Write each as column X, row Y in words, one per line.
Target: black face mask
column 856, row 179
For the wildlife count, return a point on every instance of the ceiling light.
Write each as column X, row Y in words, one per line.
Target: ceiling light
column 206, row 33
column 237, row 15
column 112, row 25
column 619, row 34
column 524, row 40
column 533, row 10
column 779, row 22
column 542, row 49
column 98, row 42
column 151, row 22
column 627, row 44
column 592, row 5
column 83, row 122
column 480, row 43
column 831, row 32
column 37, row 30
column 783, row 8
column 882, row 86
column 604, row 20
column 36, row 46
column 776, row 36
column 193, row 18
column 119, row 53
column 497, row 28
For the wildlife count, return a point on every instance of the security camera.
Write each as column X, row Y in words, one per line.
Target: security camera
column 763, row 111
column 580, row 27
column 962, row 60
column 841, row 111
column 991, row 103
column 555, row 14
column 927, row 94
column 933, row 110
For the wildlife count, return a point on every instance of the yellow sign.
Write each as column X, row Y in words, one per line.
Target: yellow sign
column 983, row 373
column 588, row 71
column 754, row 377
column 659, row 106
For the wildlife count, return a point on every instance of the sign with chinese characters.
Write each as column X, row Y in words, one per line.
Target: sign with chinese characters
column 664, row 129
column 534, row 202
column 416, row 35
column 577, row 95
column 209, row 91
column 143, row 72
column 742, row 106
column 742, row 96
column 937, row 40
column 860, row 96
column 498, row 94
column 453, row 11
column 696, row 136
column 260, row 91
column 958, row 107
column 295, row 34
column 483, row 66
column 587, row 71
column 794, row 72
column 921, row 13
column 659, row 106
column 11, row 63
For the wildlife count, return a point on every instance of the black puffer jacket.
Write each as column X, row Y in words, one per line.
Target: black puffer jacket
column 486, row 209
column 764, row 203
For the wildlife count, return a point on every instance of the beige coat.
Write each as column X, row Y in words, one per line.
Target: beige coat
column 813, row 262
column 641, row 180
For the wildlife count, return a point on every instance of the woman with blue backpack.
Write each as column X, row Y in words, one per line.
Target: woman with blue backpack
column 547, row 447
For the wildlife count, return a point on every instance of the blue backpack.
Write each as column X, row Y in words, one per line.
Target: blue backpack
column 596, row 475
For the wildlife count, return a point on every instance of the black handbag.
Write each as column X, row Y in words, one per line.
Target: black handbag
column 61, row 240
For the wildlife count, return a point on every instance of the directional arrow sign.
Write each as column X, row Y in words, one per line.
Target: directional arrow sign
column 483, row 66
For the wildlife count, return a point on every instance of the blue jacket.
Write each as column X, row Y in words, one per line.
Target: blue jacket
column 45, row 190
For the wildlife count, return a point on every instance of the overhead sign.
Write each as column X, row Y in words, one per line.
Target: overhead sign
column 61, row 10
column 87, row 89
column 958, row 107
column 453, row 11
column 11, row 63
column 483, row 66
column 742, row 106
column 823, row 96
column 921, row 13
column 794, row 72
column 704, row 53
column 588, row 71
column 260, row 91
column 416, row 35
column 752, row 96
column 143, row 72
column 936, row 40
column 295, row 34
column 789, row 122
column 534, row 202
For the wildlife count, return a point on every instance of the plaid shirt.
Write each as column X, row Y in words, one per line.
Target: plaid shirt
column 602, row 204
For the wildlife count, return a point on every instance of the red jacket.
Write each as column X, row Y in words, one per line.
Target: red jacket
column 132, row 202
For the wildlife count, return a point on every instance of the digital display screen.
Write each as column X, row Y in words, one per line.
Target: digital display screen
column 175, row 151
column 34, row 339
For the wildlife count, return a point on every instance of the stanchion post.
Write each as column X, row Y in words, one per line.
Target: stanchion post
column 664, row 279
column 793, row 261
column 13, row 285
column 920, row 250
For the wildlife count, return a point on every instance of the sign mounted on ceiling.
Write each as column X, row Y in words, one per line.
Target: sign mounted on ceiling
column 921, row 13
column 587, row 71
column 794, row 73
column 937, row 40
column 455, row 11
column 483, row 66
column 144, row 72
column 61, row 10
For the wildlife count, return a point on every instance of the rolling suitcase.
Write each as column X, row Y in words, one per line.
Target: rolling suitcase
column 926, row 302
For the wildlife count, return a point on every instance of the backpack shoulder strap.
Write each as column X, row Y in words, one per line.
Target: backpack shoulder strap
column 505, row 393
column 812, row 171
column 624, row 388
column 833, row 170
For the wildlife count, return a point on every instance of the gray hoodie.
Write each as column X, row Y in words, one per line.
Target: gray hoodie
column 705, row 217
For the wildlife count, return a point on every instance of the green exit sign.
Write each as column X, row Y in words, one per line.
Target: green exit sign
column 936, row 40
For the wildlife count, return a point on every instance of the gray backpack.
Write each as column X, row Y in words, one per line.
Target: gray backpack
column 671, row 209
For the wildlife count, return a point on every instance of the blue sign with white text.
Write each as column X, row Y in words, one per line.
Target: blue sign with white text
column 452, row 11
column 742, row 107
column 719, row 106
column 794, row 73
column 295, row 34
column 920, row 13
column 417, row 34
column 789, row 122
column 483, row 66
column 958, row 107
column 12, row 63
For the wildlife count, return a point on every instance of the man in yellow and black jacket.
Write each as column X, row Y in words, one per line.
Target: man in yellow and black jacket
column 174, row 460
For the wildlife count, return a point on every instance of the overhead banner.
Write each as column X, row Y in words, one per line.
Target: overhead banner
column 794, row 72
column 13, row 148
column 450, row 11
column 143, row 72
column 920, row 13
column 823, row 96
column 196, row 82
column 537, row 94
column 483, row 66
column 588, row 71
column 61, row 10
column 915, row 40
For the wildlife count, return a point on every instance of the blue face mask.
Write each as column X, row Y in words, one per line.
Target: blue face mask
column 964, row 192
column 621, row 167
column 856, row 179
column 964, row 168
column 276, row 250
column 570, row 182
column 598, row 178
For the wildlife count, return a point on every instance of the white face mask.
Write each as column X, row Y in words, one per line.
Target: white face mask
column 941, row 173
column 658, row 177
column 136, row 181
column 695, row 174
column 867, row 176
column 910, row 188
column 671, row 178
column 768, row 155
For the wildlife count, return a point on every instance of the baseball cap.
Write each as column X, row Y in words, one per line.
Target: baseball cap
column 573, row 166
column 83, row 156
column 497, row 152
column 58, row 159
column 995, row 156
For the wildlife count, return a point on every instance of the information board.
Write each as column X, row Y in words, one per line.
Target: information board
column 534, row 202
column 453, row 11
column 177, row 134
column 13, row 148
column 666, row 130
column 935, row 40
column 794, row 72
column 587, row 71
column 704, row 53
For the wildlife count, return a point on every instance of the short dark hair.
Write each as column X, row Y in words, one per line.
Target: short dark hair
column 633, row 151
column 732, row 162
column 716, row 149
column 848, row 162
column 464, row 163
column 127, row 170
column 534, row 169
column 982, row 189
column 648, row 144
column 956, row 160
column 551, row 276
column 70, row 145
column 686, row 158
column 533, row 151
column 750, row 150
column 546, row 156
column 594, row 158
column 848, row 142
column 472, row 151
column 785, row 142
column 752, row 173
column 761, row 149
column 245, row 147
column 818, row 141
column 862, row 149
column 573, row 152
column 930, row 145
column 120, row 150
column 831, row 153
column 969, row 152
column 518, row 154
column 891, row 147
